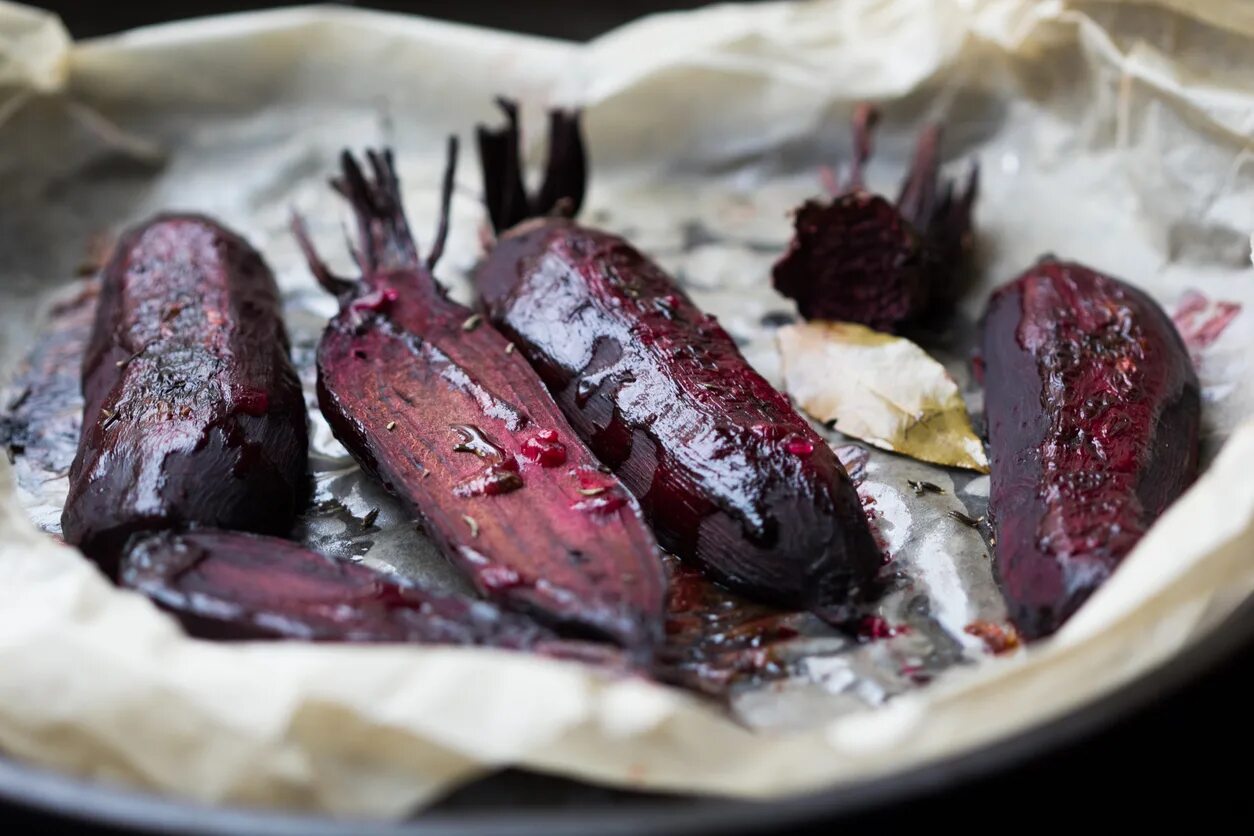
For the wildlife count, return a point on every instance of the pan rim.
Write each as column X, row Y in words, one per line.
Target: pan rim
column 44, row 792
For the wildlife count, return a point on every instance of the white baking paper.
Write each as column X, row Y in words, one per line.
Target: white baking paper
column 1117, row 133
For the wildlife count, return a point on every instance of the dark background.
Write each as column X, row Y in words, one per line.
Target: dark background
column 1185, row 754
column 571, row 19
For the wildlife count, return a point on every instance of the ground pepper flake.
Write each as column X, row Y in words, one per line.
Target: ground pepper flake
column 997, row 638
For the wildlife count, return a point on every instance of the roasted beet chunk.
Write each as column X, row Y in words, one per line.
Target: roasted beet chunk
column 731, row 476
column 860, row 258
column 193, row 413
column 432, row 401
column 1092, row 408
column 227, row 585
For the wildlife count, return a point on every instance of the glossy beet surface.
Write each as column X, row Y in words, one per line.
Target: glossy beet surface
column 432, row 401
column 228, row 585
column 1092, row 407
column 193, row 413
column 729, row 473
column 861, row 258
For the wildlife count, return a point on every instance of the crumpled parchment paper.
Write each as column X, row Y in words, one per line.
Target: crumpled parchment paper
column 1117, row 133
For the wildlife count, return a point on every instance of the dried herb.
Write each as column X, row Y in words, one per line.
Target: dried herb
column 970, row 522
column 889, row 392
column 921, row 487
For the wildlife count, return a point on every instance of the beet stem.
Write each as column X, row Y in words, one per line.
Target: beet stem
column 446, row 202
column 503, row 189
column 386, row 242
column 337, row 286
column 865, row 118
column 918, row 193
column 566, row 173
column 565, row 181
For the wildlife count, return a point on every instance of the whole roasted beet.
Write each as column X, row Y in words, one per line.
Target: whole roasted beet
column 729, row 473
column 228, row 585
column 1093, row 411
column 860, row 258
column 438, row 406
column 193, row 413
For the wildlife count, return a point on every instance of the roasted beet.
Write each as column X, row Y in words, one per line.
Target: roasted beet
column 227, row 585
column 193, row 413
column 860, row 258
column 436, row 404
column 729, row 473
column 1092, row 408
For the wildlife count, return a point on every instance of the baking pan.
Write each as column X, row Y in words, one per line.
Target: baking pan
column 526, row 804
column 1082, row 744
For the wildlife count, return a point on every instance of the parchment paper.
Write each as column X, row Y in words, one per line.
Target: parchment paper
column 1114, row 133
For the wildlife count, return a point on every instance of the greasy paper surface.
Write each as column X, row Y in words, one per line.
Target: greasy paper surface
column 1113, row 133
column 880, row 388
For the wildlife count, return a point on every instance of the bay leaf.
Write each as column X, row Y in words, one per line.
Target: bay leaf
column 879, row 388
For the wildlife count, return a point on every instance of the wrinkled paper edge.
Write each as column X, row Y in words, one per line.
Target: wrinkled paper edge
column 377, row 730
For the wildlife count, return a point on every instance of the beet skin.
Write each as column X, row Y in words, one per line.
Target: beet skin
column 730, row 475
column 861, row 258
column 1093, row 411
column 436, row 404
column 193, row 414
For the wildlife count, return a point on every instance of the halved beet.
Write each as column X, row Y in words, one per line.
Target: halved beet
column 1093, row 411
column 228, row 585
column 193, row 413
column 730, row 475
column 860, row 258
column 436, row 404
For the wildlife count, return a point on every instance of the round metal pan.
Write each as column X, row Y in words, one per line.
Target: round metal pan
column 517, row 803
column 40, row 797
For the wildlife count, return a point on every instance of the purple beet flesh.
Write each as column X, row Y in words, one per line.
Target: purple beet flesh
column 1093, row 411
column 228, row 585
column 433, row 402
